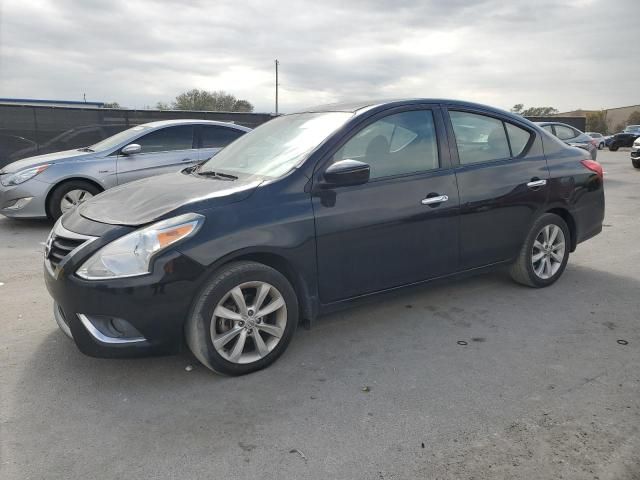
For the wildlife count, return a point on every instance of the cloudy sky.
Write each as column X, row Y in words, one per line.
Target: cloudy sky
column 563, row 53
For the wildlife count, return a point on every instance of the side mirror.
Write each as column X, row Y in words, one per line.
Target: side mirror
column 131, row 149
column 346, row 172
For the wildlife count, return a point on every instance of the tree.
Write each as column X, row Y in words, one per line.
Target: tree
column 163, row 106
column 112, row 105
column 517, row 108
column 597, row 122
column 220, row 101
column 634, row 118
column 539, row 112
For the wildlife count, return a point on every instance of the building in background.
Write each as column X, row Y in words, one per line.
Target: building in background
column 615, row 116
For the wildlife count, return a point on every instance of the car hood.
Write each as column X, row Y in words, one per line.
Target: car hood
column 47, row 158
column 149, row 199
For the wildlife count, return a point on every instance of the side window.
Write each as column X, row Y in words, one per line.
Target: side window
column 167, row 139
column 479, row 138
column 394, row 145
column 549, row 128
column 565, row 133
column 518, row 137
column 217, row 136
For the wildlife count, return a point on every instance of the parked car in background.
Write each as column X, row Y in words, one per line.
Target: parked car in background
column 599, row 138
column 572, row 136
column 49, row 185
column 625, row 138
column 635, row 153
column 284, row 223
column 607, row 140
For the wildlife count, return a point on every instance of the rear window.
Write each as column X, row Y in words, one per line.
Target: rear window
column 215, row 136
column 481, row 138
column 518, row 137
column 565, row 133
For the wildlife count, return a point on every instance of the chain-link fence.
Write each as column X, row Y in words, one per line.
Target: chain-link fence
column 27, row 130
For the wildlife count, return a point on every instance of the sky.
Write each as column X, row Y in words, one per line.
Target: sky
column 566, row 54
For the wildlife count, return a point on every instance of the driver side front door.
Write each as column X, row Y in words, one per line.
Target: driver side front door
column 402, row 225
column 166, row 150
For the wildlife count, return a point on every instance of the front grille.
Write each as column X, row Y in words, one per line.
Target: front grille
column 61, row 247
column 62, row 242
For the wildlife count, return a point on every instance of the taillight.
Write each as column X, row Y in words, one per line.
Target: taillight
column 594, row 167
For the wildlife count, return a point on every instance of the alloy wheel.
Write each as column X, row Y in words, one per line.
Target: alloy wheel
column 248, row 322
column 73, row 198
column 548, row 251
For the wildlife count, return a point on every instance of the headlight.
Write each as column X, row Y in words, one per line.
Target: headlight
column 131, row 255
column 22, row 176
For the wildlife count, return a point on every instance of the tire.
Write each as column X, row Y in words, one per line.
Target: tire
column 635, row 163
column 600, row 145
column 525, row 270
column 216, row 296
column 55, row 206
column 613, row 148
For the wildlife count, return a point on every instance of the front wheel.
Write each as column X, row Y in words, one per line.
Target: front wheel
column 243, row 320
column 545, row 253
column 601, row 146
column 69, row 195
column 613, row 148
column 635, row 163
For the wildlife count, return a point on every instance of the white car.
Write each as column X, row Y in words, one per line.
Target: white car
column 635, row 153
column 598, row 137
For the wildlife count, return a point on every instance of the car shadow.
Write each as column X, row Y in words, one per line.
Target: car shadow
column 448, row 305
column 25, row 224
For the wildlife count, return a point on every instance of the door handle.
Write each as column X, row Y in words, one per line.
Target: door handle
column 434, row 200
column 536, row 183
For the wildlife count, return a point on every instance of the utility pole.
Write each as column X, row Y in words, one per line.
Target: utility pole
column 277, row 63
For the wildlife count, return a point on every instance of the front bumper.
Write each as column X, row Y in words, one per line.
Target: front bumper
column 154, row 305
column 34, row 190
column 635, row 152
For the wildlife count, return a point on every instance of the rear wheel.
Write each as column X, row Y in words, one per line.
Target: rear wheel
column 600, row 145
column 613, row 148
column 243, row 320
column 545, row 253
column 69, row 195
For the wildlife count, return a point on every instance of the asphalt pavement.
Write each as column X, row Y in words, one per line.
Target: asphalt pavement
column 480, row 378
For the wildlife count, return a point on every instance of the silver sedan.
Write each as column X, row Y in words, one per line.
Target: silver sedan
column 49, row 185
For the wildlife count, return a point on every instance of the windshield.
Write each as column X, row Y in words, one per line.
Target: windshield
column 632, row 128
column 117, row 139
column 277, row 146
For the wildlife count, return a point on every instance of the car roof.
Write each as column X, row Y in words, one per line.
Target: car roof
column 367, row 105
column 556, row 123
column 187, row 121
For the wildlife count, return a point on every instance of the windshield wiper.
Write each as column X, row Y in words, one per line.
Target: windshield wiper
column 86, row 149
column 219, row 175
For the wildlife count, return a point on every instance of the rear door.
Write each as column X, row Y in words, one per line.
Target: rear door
column 165, row 150
column 213, row 138
column 502, row 177
column 402, row 225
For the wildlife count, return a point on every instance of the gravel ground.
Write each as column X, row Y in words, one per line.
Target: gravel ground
column 543, row 387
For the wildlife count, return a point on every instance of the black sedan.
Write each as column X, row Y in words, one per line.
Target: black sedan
column 572, row 136
column 625, row 138
column 309, row 213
